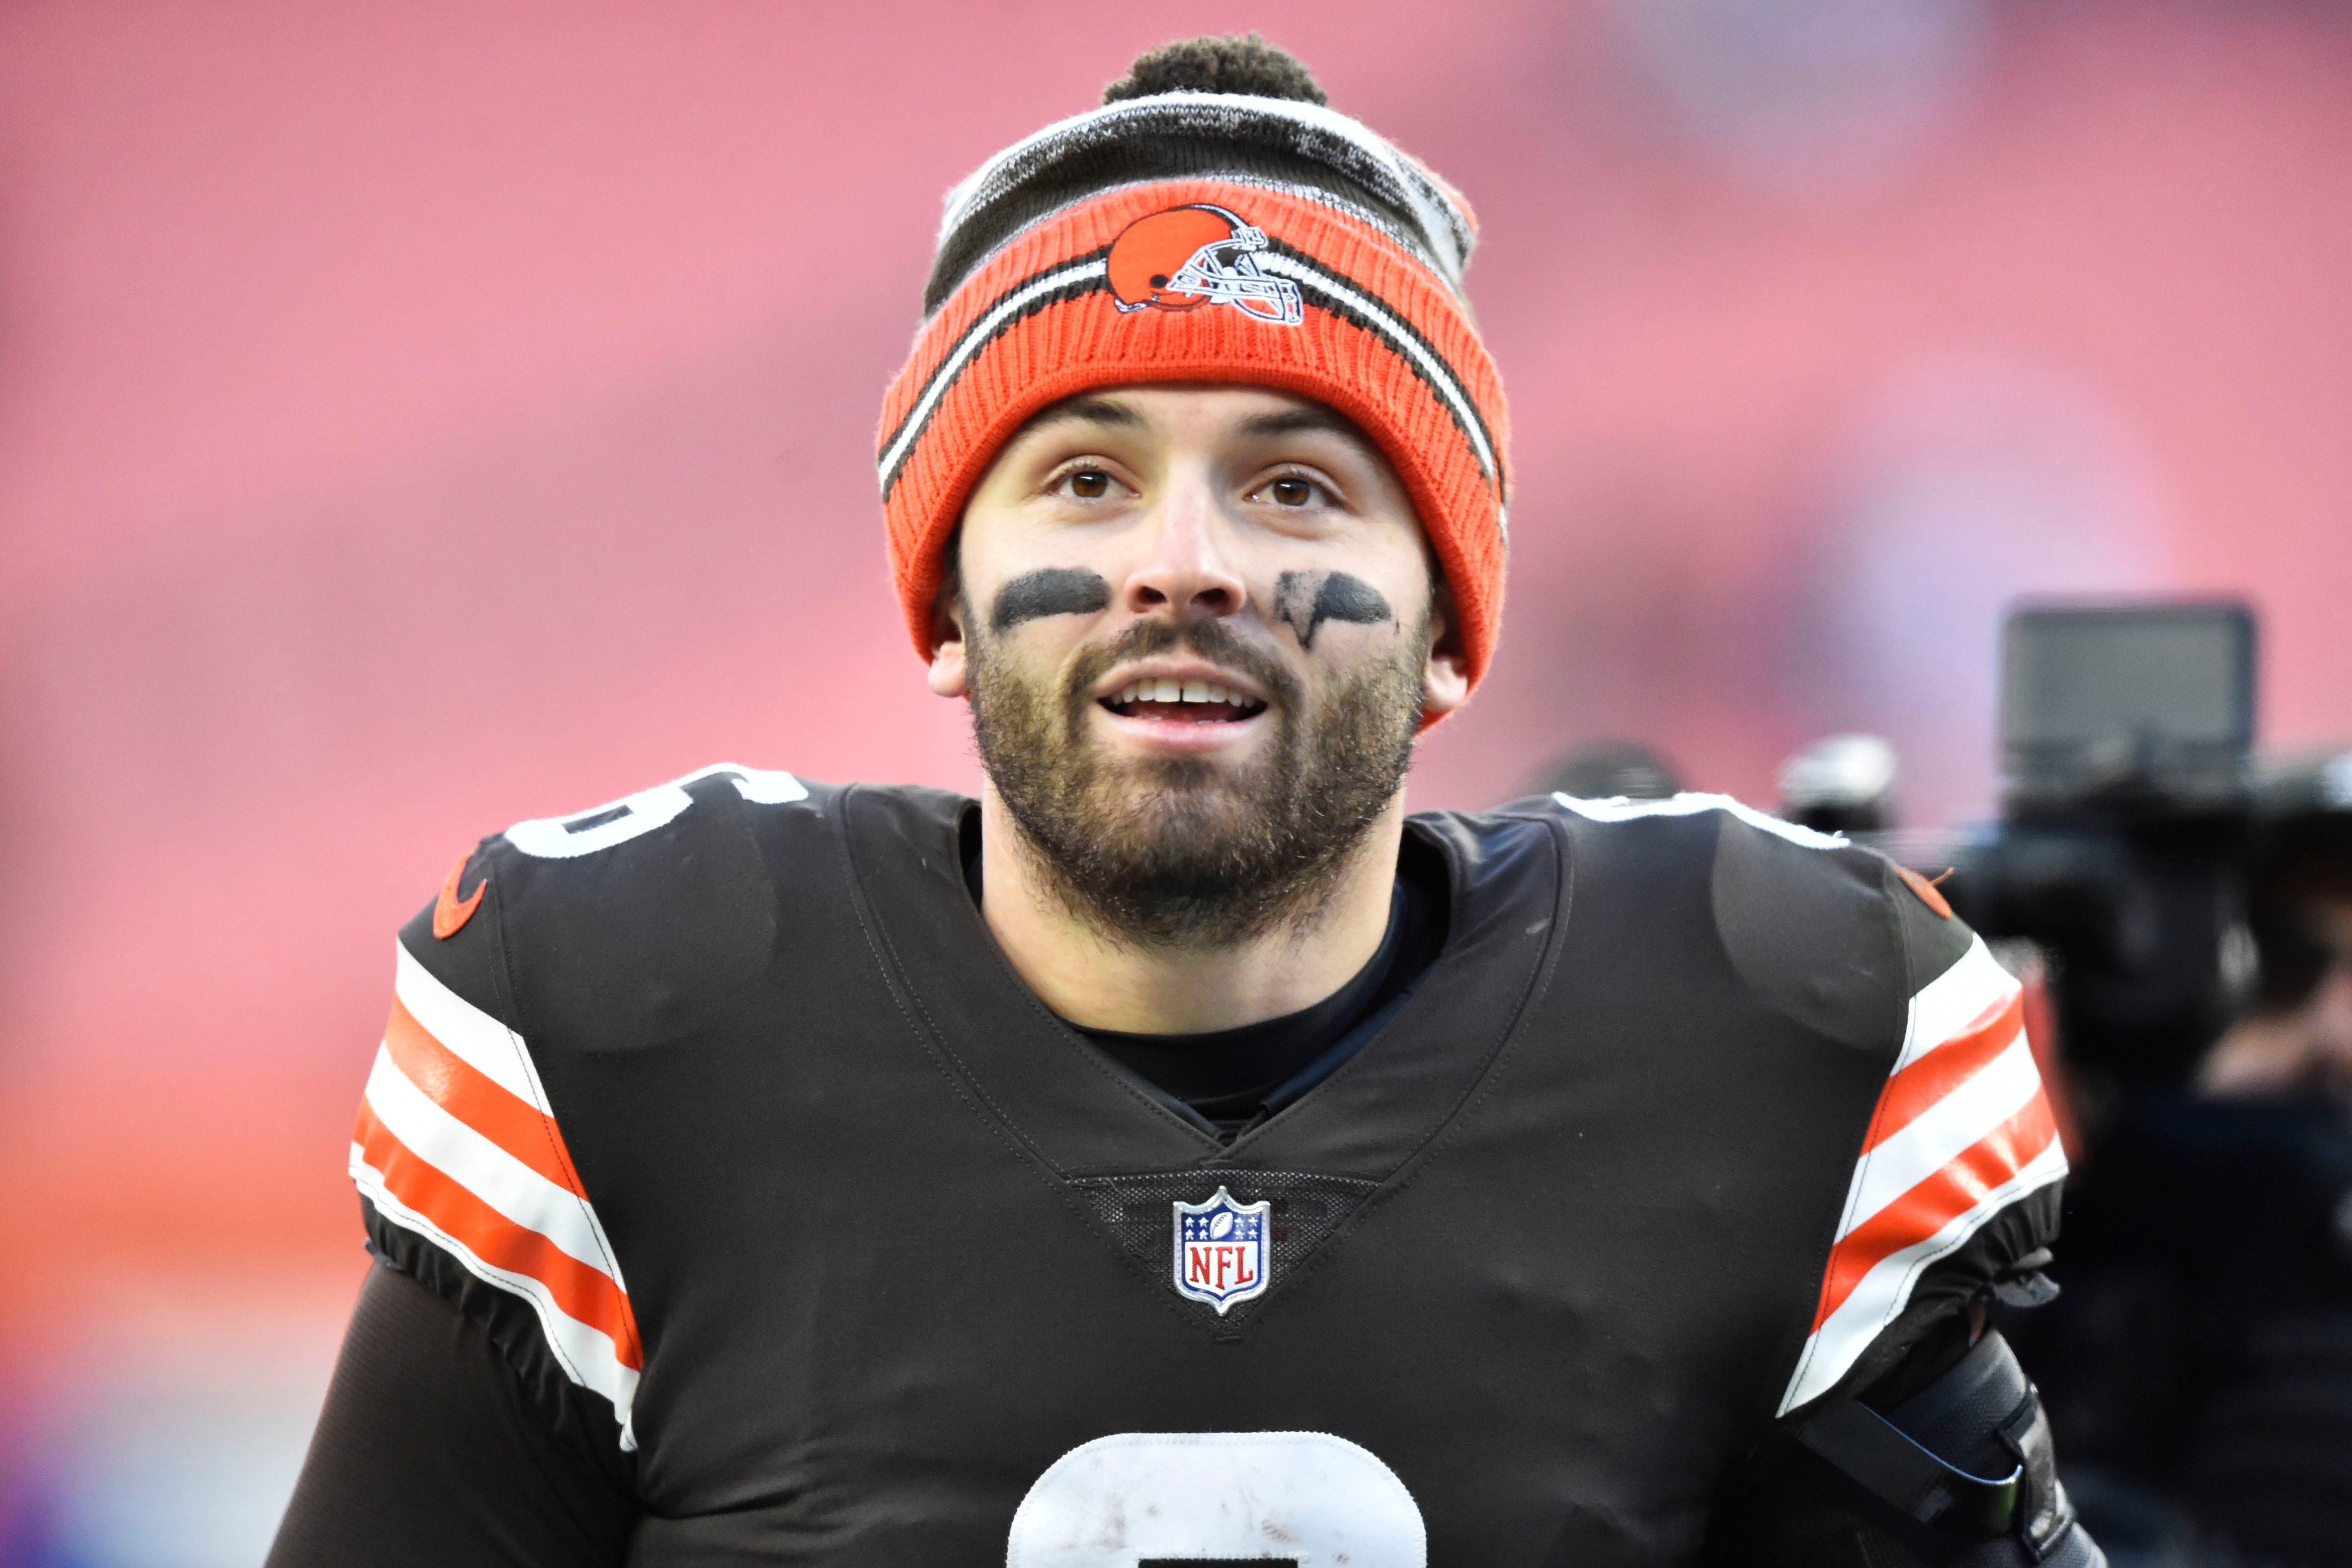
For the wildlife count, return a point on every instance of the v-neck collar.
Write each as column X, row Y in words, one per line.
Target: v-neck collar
column 1080, row 1116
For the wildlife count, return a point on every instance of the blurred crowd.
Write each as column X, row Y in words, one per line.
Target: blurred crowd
column 2199, row 1360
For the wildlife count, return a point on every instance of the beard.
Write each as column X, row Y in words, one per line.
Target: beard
column 1190, row 851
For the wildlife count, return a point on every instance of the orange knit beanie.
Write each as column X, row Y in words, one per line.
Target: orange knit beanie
column 1195, row 229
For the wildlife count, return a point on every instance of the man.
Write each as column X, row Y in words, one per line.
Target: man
column 1180, row 1155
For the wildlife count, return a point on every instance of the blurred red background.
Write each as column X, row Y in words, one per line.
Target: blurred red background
column 414, row 421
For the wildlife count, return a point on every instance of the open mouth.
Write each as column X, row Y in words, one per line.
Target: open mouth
column 1183, row 702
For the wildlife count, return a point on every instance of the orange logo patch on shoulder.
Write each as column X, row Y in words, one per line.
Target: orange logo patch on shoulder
column 450, row 912
column 1911, row 879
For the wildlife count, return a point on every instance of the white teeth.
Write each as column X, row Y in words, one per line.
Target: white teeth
column 1165, row 691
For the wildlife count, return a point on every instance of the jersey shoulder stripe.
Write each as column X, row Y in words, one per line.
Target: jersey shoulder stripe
column 457, row 1144
column 1692, row 803
column 1962, row 1130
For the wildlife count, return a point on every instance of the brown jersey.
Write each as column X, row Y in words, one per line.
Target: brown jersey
column 721, row 1106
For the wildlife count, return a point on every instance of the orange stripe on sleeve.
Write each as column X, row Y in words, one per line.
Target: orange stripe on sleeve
column 487, row 1107
column 1919, row 1086
column 1957, row 1187
column 581, row 1292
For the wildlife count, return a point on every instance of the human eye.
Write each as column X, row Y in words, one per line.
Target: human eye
column 1295, row 491
column 1084, row 482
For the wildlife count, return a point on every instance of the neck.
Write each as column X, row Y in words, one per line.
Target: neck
column 1098, row 982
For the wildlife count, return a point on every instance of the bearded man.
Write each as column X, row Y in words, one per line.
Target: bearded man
column 1180, row 1155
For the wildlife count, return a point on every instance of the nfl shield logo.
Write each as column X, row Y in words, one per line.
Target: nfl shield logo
column 1221, row 1255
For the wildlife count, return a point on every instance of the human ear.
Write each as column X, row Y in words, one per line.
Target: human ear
column 948, row 673
column 1445, row 676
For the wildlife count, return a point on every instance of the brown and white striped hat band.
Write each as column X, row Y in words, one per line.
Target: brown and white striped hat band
column 1192, row 236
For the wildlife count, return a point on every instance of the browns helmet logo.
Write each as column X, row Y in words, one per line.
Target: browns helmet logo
column 1186, row 257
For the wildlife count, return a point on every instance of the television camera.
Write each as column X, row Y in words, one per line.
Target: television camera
column 2136, row 823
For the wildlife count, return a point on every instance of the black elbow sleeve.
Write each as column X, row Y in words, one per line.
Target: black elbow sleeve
column 1959, row 1475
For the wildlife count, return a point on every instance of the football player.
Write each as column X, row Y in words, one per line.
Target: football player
column 1180, row 1155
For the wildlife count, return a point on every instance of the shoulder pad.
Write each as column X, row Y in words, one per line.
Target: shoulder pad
column 1804, row 916
column 614, row 929
column 640, row 912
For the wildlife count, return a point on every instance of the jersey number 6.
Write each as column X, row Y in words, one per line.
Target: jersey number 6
column 586, row 833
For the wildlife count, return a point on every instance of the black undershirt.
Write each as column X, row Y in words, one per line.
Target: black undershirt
column 1229, row 1080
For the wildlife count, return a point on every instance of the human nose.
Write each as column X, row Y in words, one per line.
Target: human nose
column 1184, row 570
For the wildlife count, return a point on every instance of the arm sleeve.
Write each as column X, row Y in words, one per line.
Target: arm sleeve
column 468, row 1183
column 1953, row 1207
column 1946, row 1462
column 431, row 1450
column 481, row 1409
column 1955, row 1188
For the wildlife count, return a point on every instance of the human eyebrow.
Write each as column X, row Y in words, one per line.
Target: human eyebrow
column 1084, row 410
column 1307, row 419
